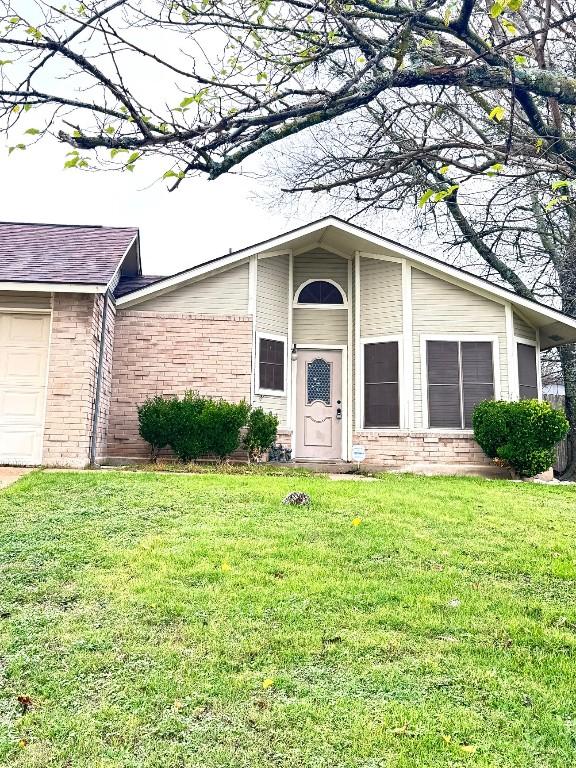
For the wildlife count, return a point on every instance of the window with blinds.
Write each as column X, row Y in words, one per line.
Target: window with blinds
column 460, row 375
column 527, row 371
column 381, row 390
column 271, row 365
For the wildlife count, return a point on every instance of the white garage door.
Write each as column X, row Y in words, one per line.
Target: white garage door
column 23, row 370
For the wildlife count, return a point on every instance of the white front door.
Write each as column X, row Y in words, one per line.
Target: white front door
column 319, row 404
column 23, row 370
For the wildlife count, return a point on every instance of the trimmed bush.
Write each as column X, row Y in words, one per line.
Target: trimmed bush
column 261, row 433
column 221, row 425
column 188, row 437
column 521, row 433
column 192, row 426
column 155, row 422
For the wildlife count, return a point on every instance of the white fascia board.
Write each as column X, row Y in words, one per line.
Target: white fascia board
column 414, row 256
column 126, row 252
column 52, row 287
column 194, row 272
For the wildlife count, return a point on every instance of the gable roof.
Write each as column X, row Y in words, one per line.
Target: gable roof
column 57, row 253
column 333, row 231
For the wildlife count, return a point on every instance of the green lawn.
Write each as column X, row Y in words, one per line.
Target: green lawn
column 179, row 621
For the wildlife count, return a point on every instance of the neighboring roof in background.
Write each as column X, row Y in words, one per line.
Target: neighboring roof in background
column 130, row 284
column 58, row 253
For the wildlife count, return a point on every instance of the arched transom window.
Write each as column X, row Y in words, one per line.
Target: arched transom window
column 320, row 292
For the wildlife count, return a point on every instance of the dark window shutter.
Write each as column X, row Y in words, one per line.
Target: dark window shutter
column 271, row 357
column 477, row 376
column 443, row 384
column 527, row 371
column 381, row 391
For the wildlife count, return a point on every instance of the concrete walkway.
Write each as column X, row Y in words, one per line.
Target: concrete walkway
column 357, row 478
column 9, row 475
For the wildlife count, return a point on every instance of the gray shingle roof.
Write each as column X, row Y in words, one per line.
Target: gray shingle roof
column 130, row 284
column 55, row 253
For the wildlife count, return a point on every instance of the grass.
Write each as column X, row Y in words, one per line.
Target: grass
column 175, row 621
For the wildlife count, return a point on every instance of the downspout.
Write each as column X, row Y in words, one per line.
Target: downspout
column 99, row 376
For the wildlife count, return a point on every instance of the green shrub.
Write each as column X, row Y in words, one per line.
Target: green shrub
column 521, row 433
column 221, row 425
column 155, row 422
column 261, row 433
column 192, row 426
column 187, row 434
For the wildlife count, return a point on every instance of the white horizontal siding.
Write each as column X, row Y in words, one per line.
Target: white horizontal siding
column 272, row 294
column 24, row 300
column 225, row 293
column 522, row 329
column 272, row 310
column 438, row 307
column 320, row 326
column 320, row 265
column 381, row 297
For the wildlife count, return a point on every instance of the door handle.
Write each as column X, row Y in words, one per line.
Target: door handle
column 338, row 413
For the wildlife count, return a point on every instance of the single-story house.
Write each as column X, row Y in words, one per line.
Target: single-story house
column 349, row 337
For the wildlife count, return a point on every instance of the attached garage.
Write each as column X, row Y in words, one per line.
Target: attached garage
column 56, row 336
column 24, row 354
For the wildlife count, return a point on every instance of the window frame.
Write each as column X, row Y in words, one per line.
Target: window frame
column 258, row 390
column 494, row 339
column 297, row 305
column 399, row 339
column 536, row 345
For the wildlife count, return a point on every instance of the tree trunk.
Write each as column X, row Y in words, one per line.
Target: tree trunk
column 567, row 283
column 568, row 362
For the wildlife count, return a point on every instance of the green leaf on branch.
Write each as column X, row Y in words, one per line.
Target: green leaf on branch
column 560, row 184
column 425, row 197
column 32, row 131
column 109, row 130
column 3, row 62
column 444, row 169
column 556, row 201
column 439, row 196
column 17, row 146
column 34, row 32
column 132, row 159
column 509, row 27
column 497, row 9
column 498, row 113
column 73, row 162
column 174, row 175
column 494, row 169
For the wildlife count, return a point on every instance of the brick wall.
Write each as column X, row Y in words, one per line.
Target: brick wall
column 403, row 448
column 158, row 353
column 72, row 378
column 106, row 388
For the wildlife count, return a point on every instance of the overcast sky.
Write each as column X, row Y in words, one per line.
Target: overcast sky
column 199, row 221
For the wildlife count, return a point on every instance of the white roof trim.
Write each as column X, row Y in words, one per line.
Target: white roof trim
column 123, row 259
column 330, row 221
column 8, row 285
